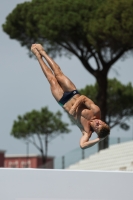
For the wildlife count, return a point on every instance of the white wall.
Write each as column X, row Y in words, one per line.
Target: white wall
column 40, row 184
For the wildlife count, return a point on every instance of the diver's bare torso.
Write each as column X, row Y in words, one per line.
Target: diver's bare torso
column 82, row 116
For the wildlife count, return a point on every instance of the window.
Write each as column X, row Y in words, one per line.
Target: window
column 13, row 164
column 25, row 164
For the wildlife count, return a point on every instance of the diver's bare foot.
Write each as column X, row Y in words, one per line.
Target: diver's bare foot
column 35, row 51
column 40, row 48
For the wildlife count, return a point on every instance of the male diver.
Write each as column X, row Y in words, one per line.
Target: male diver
column 81, row 109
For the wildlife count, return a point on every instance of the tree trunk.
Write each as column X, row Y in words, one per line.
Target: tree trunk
column 102, row 102
column 43, row 157
column 46, row 145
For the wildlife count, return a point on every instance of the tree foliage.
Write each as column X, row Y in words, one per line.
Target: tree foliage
column 119, row 102
column 98, row 30
column 77, row 26
column 43, row 124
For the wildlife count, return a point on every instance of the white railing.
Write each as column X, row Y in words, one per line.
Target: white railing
column 79, row 154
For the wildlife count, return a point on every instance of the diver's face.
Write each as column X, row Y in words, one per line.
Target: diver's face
column 97, row 124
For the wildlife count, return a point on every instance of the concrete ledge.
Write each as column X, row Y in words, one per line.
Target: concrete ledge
column 41, row 184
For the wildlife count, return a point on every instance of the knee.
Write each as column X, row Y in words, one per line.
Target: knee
column 52, row 81
column 58, row 74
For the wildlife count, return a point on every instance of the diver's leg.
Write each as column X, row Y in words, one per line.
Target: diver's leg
column 63, row 80
column 54, row 85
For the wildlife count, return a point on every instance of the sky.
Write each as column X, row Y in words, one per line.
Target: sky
column 23, row 87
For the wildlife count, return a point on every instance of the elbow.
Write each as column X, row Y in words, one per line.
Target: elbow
column 82, row 96
column 82, row 146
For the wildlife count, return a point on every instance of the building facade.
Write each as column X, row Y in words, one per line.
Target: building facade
column 23, row 161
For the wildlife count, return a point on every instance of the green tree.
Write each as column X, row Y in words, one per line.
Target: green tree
column 119, row 102
column 43, row 124
column 98, row 30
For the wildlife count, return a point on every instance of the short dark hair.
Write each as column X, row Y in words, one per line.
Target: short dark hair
column 104, row 131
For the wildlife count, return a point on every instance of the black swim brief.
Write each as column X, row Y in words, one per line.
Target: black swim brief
column 67, row 96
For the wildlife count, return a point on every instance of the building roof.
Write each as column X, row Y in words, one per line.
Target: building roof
column 2, row 151
column 116, row 157
column 23, row 155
